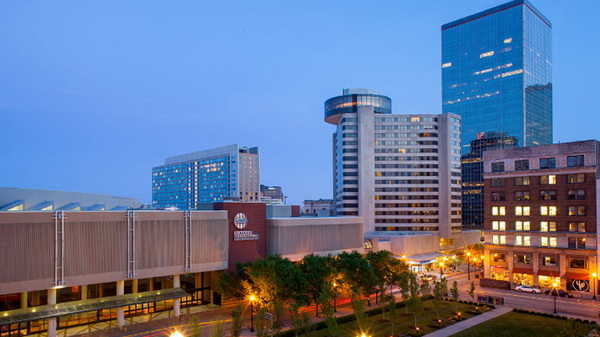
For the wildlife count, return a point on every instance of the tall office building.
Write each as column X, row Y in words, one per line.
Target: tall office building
column 497, row 73
column 472, row 175
column 398, row 172
column 224, row 173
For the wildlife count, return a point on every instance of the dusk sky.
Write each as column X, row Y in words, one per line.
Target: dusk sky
column 93, row 94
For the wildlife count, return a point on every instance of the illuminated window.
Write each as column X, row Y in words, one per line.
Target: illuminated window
column 575, row 178
column 548, row 226
column 523, row 210
column 522, row 181
column 499, row 225
column 518, row 240
column 576, row 226
column 548, row 210
column 548, row 180
column 495, row 239
column 415, row 119
column 576, row 210
column 522, row 225
column 527, row 240
column 486, row 54
column 509, row 40
column 447, row 64
column 498, row 210
column 544, row 241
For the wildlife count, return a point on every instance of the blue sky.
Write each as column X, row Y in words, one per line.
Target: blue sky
column 93, row 94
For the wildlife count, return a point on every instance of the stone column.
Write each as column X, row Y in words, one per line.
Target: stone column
column 151, row 284
column 52, row 321
column 134, row 285
column 177, row 301
column 510, row 259
column 35, row 298
column 84, row 292
column 121, row 310
column 535, row 259
column 562, row 265
column 23, row 300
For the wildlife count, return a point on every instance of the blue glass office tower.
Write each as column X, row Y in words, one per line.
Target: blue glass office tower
column 497, row 73
column 224, row 173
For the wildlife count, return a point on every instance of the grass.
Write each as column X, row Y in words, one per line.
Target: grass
column 404, row 324
column 517, row 324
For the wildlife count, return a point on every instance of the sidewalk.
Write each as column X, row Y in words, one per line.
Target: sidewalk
column 467, row 323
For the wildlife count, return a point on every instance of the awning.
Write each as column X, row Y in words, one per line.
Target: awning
column 423, row 258
column 522, row 271
column 577, row 276
column 76, row 307
column 551, row 273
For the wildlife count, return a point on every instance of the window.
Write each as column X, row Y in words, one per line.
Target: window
column 524, row 259
column 544, row 241
column 522, row 181
column 576, row 194
column 548, row 226
column 501, row 210
column 499, row 225
column 553, row 241
column 548, row 210
column 549, row 261
column 578, row 243
column 576, row 210
column 518, row 240
column 577, row 263
column 502, row 239
column 576, row 226
column 521, row 165
column 522, row 210
column 498, row 196
column 575, row 161
column 546, row 163
column 495, row 239
column 548, row 195
column 499, row 182
column 522, row 195
column 522, row 226
column 575, row 178
column 499, row 257
column 548, row 180
column 527, row 240
column 498, row 166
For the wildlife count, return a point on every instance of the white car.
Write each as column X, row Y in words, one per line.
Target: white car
column 528, row 289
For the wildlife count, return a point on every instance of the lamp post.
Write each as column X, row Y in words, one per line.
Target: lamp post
column 554, row 292
column 252, row 298
column 594, row 285
column 468, row 265
column 334, row 296
column 441, row 269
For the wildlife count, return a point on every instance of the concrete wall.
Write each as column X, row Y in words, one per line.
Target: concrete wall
column 296, row 237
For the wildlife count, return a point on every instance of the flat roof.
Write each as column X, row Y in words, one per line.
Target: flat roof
column 497, row 9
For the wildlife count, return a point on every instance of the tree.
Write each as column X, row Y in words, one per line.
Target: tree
column 438, row 297
column 217, row 329
column 405, row 288
column 196, row 327
column 260, row 322
column 414, row 300
column 454, row 291
column 356, row 273
column 333, row 329
column 278, row 311
column 472, row 290
column 237, row 321
column 391, row 304
column 317, row 271
column 384, row 268
column 358, row 305
column 230, row 284
column 301, row 322
column 425, row 288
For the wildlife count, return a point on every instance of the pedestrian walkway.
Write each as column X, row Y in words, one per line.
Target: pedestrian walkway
column 467, row 323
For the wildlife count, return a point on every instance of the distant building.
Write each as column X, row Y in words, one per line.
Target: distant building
column 224, row 173
column 497, row 73
column 541, row 215
column 271, row 194
column 24, row 199
column 321, row 207
column 472, row 175
column 397, row 172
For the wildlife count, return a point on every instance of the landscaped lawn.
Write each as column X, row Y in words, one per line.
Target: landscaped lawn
column 517, row 324
column 404, row 323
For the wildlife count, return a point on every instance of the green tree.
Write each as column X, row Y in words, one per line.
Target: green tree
column 425, row 288
column 454, row 291
column 231, row 284
column 414, row 300
column 333, row 329
column 404, row 284
column 385, row 266
column 260, row 322
column 356, row 273
column 393, row 309
column 196, row 327
column 317, row 271
column 358, row 305
column 237, row 321
column 278, row 311
column 472, row 290
column 217, row 329
column 300, row 321
column 438, row 297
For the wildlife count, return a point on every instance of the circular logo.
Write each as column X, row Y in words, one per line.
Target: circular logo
column 580, row 285
column 240, row 220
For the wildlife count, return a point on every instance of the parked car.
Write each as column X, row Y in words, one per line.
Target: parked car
column 558, row 292
column 427, row 277
column 528, row 289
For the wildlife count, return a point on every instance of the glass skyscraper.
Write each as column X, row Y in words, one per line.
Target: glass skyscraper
column 497, row 73
column 224, row 173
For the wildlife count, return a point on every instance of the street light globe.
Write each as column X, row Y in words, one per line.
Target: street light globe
column 252, row 298
column 176, row 334
column 594, row 274
column 554, row 285
column 482, row 257
column 468, row 253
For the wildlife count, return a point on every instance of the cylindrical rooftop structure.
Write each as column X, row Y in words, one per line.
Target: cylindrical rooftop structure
column 351, row 99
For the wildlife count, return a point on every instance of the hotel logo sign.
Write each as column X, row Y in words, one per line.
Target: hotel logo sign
column 239, row 221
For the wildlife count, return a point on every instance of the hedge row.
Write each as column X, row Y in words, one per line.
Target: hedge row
column 544, row 314
column 491, row 306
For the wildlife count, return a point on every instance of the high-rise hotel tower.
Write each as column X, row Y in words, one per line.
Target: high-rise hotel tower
column 398, row 172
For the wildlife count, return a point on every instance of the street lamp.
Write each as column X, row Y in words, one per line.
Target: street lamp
column 468, row 265
column 176, row 334
column 334, row 296
column 594, row 279
column 554, row 292
column 441, row 269
column 252, row 298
